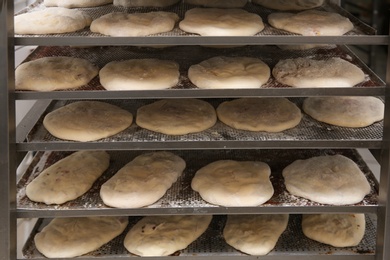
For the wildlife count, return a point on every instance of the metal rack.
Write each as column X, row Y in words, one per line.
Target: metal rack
column 312, row 138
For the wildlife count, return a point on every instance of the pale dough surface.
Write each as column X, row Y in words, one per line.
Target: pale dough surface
column 345, row 111
column 54, row 73
column 218, row 3
column 145, row 3
column 335, row 180
column 51, row 20
column 76, row 3
column 311, row 73
column 164, row 235
column 260, row 114
column 177, row 116
column 142, row 181
column 87, row 121
column 229, row 72
column 286, row 5
column 339, row 230
column 221, row 22
column 234, row 183
column 254, row 234
column 311, row 23
column 68, row 178
column 76, row 236
column 139, row 74
column 134, row 24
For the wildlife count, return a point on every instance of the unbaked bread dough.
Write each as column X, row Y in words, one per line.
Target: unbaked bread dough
column 139, row 74
column 339, row 230
column 134, row 24
column 260, row 114
column 51, row 20
column 345, row 111
column 287, row 5
column 254, row 234
column 218, row 3
column 221, row 22
column 54, row 73
column 311, row 23
column 234, row 183
column 335, row 180
column 87, row 121
column 311, row 73
column 68, row 178
column 142, row 181
column 229, row 72
column 76, row 3
column 164, row 235
column 145, row 3
column 177, row 116
column 76, row 236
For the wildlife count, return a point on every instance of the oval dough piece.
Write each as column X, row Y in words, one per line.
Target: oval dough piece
column 287, row 5
column 234, row 184
column 76, row 236
column 339, row 230
column 51, row 20
column 177, row 116
column 345, row 111
column 218, row 3
column 164, row 235
column 311, row 23
column 87, row 121
column 145, row 3
column 76, row 3
column 139, row 74
column 221, row 22
column 254, row 234
column 54, row 73
column 335, row 180
column 229, row 72
column 68, row 178
column 310, row 73
column 134, row 24
column 260, row 114
column 142, row 181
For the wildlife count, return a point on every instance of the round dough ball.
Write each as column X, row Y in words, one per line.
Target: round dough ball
column 218, row 3
column 229, row 72
column 260, row 114
column 51, row 20
column 76, row 3
column 345, row 111
column 310, row 73
column 221, row 22
column 145, row 3
column 134, row 24
column 54, row 73
column 87, row 121
column 177, row 116
column 287, row 5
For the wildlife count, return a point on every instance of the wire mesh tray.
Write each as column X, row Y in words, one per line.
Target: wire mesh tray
column 212, row 243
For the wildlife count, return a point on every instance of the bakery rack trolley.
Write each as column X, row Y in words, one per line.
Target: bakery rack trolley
column 13, row 144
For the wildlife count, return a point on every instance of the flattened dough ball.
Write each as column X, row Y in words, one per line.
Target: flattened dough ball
column 177, row 116
column 287, row 5
column 76, row 3
column 221, row 22
column 218, row 3
column 145, row 3
column 87, row 121
column 260, row 114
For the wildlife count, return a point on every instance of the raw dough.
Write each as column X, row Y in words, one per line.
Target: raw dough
column 71, row 237
column 286, row 5
column 221, row 22
column 229, row 72
column 311, row 23
column 139, row 74
column 145, row 3
column 134, row 24
column 260, row 114
column 142, row 181
column 218, row 3
column 54, row 73
column 345, row 111
column 164, row 235
column 76, row 3
column 339, row 230
column 335, row 180
column 51, row 20
column 233, row 183
column 177, row 116
column 87, row 121
column 254, row 234
column 310, row 73
column 68, row 178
